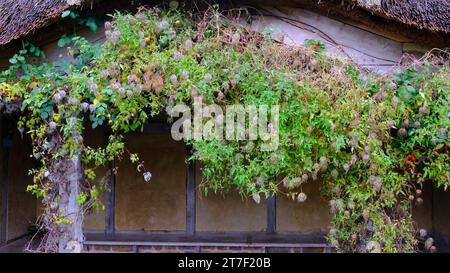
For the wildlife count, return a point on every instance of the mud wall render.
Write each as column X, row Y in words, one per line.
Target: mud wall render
column 158, row 205
column 441, row 219
column 21, row 204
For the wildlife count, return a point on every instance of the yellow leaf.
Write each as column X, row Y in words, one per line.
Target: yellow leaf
column 33, row 85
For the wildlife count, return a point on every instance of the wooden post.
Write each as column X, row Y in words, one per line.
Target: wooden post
column 272, row 214
column 6, row 146
column 190, row 195
column 111, row 201
column 68, row 182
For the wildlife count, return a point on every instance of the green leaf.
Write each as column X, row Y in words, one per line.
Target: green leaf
column 92, row 24
column 44, row 115
column 65, row 13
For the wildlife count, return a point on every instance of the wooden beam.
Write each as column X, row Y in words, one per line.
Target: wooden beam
column 6, row 146
column 272, row 214
column 154, row 129
column 204, row 237
column 190, row 195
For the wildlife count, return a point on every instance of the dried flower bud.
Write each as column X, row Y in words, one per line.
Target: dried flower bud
column 304, row 177
column 433, row 249
column 334, row 173
column 57, row 97
column 314, row 175
column 423, row 233
column 353, row 159
column 73, row 101
column 208, row 77
column 365, row 215
column 256, row 198
column 72, row 121
column 52, row 125
column 235, row 38
column 185, row 75
column 373, row 247
column 107, row 25
column 173, row 4
column 188, row 44
column 355, row 123
column 419, row 201
column 392, row 86
column 147, row 176
column 273, row 157
column 108, row 34
column 162, row 25
column 105, row 74
column 334, row 243
column 301, row 197
column 366, row 158
column 260, row 180
column 174, row 79
column 220, row 96
column 395, row 101
column 332, row 232
column 402, row 132
column 428, row 244
column 346, row 167
column 377, row 183
column 131, row 79
column 84, row 107
column 424, row 111
column 406, row 123
column 177, row 55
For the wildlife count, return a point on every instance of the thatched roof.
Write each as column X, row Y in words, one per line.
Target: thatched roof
column 432, row 15
column 19, row 18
